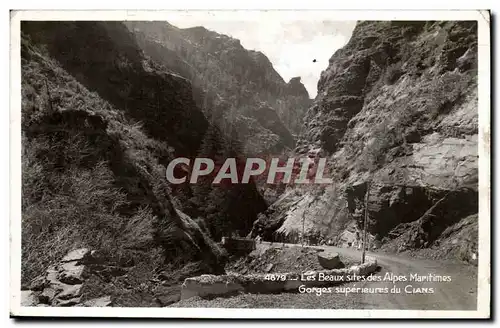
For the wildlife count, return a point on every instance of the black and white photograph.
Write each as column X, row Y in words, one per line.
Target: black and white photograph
column 186, row 163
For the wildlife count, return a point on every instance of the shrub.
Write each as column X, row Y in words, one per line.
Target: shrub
column 72, row 195
column 393, row 73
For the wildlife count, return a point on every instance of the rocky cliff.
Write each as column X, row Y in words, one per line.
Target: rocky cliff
column 237, row 88
column 100, row 121
column 396, row 114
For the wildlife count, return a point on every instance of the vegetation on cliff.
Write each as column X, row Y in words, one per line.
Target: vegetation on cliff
column 100, row 121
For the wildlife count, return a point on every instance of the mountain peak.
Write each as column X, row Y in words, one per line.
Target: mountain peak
column 296, row 87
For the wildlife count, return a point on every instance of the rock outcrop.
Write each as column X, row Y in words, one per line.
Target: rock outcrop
column 329, row 260
column 396, row 110
column 63, row 283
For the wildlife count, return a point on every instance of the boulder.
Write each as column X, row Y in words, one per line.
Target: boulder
column 28, row 298
column 228, row 285
column 329, row 260
column 71, row 273
column 71, row 302
column 76, row 255
column 98, row 302
column 39, row 283
column 52, row 274
column 48, row 294
column 259, row 284
column 63, row 282
column 70, row 291
column 293, row 282
column 209, row 285
column 165, row 300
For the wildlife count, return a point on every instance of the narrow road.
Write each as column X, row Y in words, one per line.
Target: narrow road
column 458, row 294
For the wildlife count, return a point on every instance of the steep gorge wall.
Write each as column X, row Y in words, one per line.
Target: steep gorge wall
column 100, row 123
column 396, row 108
column 238, row 89
column 92, row 178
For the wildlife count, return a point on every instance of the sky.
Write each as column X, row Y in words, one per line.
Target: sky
column 291, row 42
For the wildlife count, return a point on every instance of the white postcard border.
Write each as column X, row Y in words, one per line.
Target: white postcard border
column 484, row 244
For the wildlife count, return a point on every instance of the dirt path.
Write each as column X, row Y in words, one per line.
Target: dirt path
column 458, row 294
